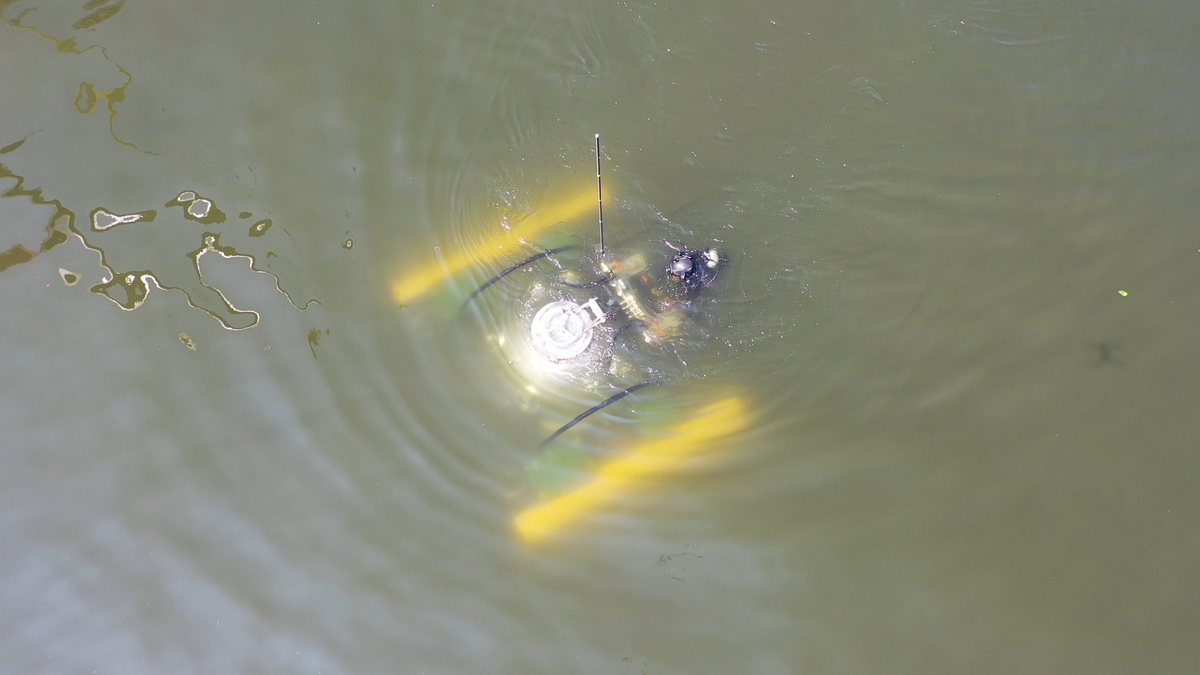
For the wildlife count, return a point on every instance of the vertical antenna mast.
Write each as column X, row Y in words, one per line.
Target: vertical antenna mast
column 599, row 196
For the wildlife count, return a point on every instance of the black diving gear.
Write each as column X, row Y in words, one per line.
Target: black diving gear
column 696, row 269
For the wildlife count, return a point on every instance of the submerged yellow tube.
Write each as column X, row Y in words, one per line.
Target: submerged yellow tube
column 648, row 459
column 427, row 277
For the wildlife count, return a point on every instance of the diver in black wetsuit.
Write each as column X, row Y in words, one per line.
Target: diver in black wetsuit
column 695, row 269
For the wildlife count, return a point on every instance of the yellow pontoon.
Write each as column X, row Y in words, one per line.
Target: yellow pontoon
column 424, row 279
column 648, row 459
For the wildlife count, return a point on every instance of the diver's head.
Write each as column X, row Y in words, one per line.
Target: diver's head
column 681, row 266
column 695, row 269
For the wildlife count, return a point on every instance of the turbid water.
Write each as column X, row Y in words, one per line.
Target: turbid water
column 960, row 313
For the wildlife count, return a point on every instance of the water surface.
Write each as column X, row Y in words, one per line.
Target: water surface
column 960, row 305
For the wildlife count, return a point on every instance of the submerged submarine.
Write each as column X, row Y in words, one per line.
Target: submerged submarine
column 573, row 323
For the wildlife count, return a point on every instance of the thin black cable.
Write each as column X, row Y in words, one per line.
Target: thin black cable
column 621, row 331
column 511, row 269
column 596, row 408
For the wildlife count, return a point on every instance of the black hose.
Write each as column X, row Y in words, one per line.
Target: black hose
column 511, row 269
column 621, row 331
column 596, row 408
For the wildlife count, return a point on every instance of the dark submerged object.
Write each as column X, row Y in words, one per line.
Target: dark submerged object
column 633, row 298
column 695, row 269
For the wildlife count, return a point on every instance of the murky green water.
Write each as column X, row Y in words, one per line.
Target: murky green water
column 960, row 311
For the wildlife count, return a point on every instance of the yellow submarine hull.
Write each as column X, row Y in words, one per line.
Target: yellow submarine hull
column 649, row 459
